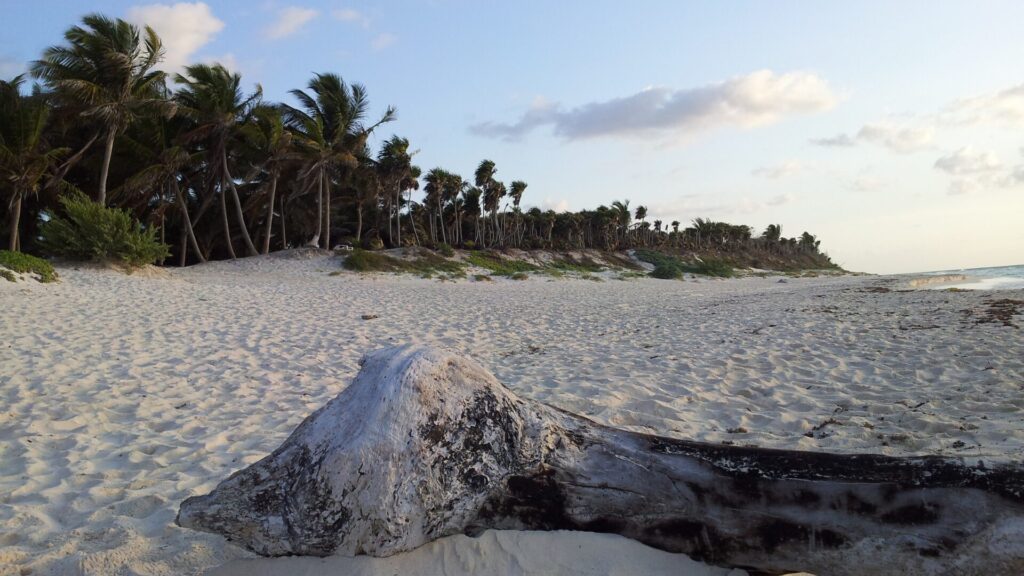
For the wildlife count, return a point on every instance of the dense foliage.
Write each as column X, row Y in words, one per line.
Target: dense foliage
column 220, row 172
column 87, row 230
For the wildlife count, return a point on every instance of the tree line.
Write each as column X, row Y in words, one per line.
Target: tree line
column 221, row 172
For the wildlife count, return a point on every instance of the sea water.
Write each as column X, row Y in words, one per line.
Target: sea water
column 995, row 278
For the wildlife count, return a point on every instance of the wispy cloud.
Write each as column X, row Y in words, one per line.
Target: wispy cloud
column 784, row 170
column 968, row 161
column 184, row 28
column 900, row 138
column 759, row 98
column 383, row 40
column 976, row 171
column 1003, row 107
column 289, row 21
column 351, row 15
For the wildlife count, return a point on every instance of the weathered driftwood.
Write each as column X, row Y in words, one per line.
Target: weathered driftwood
column 425, row 444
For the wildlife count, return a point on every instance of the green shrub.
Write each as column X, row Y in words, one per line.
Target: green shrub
column 426, row 264
column 666, row 272
column 519, row 276
column 8, row 275
column 24, row 264
column 499, row 266
column 710, row 267
column 89, row 231
column 469, row 244
column 446, row 250
column 482, row 278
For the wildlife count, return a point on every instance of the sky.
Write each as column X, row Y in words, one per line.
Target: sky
column 894, row 131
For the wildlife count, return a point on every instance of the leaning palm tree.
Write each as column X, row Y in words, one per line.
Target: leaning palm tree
column 165, row 161
column 394, row 164
column 330, row 135
column 25, row 157
column 212, row 97
column 269, row 148
column 106, row 69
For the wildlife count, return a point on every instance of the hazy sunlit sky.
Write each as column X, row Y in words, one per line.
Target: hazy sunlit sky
column 892, row 130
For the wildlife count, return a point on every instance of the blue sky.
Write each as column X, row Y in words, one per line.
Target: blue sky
column 893, row 130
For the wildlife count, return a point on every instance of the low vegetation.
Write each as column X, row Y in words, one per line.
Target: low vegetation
column 425, row 263
column 500, row 266
column 89, row 231
column 669, row 266
column 11, row 262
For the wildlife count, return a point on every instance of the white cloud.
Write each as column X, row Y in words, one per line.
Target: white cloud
column 967, row 161
column 901, row 138
column 383, row 40
column 759, row 98
column 974, row 171
column 183, row 27
column 1004, row 107
column 784, row 170
column 351, row 15
column 290, row 20
column 556, row 205
column 839, row 140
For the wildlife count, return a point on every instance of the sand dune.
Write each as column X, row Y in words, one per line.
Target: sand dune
column 122, row 395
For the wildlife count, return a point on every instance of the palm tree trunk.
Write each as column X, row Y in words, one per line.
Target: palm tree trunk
column 440, row 219
column 270, row 214
column 415, row 234
column 15, row 222
column 398, row 217
column 359, row 220
column 319, row 208
column 227, row 226
column 183, row 250
column 188, row 222
column 238, row 206
column 101, row 197
column 327, row 213
column 284, row 237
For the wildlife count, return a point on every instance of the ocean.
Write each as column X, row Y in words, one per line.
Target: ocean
column 995, row 278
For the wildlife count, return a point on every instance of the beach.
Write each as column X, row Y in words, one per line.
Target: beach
column 122, row 395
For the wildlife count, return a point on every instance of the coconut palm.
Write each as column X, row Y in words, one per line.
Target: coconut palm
column 269, row 148
column 212, row 97
column 330, row 134
column 106, row 69
column 394, row 163
column 25, row 156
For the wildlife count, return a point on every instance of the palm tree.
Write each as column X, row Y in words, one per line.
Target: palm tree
column 394, row 162
column 106, row 68
column 330, row 134
column 212, row 97
column 516, row 190
column 158, row 143
column 24, row 155
column 623, row 216
column 269, row 147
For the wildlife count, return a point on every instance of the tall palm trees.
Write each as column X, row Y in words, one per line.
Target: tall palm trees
column 398, row 175
column 212, row 98
column 24, row 155
column 269, row 147
column 330, row 133
column 106, row 68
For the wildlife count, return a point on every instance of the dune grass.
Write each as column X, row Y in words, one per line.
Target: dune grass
column 26, row 264
column 425, row 264
column 499, row 266
column 667, row 266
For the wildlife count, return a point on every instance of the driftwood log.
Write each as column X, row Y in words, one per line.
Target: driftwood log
column 425, row 444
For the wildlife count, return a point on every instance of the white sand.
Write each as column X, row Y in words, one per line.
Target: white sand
column 122, row 395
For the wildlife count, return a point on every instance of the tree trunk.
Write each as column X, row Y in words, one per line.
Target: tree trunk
column 14, row 240
column 108, row 152
column 327, row 213
column 359, row 225
column 238, row 206
column 270, row 213
column 412, row 221
column 398, row 217
column 188, row 221
column 227, row 226
column 425, row 444
column 315, row 242
column 284, row 237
